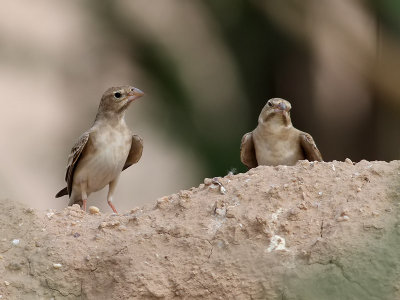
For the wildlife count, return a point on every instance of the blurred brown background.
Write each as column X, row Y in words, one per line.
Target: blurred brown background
column 207, row 68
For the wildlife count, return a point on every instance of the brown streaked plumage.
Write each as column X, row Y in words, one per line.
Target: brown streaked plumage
column 105, row 150
column 275, row 141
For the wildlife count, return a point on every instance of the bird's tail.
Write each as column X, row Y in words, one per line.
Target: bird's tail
column 61, row 193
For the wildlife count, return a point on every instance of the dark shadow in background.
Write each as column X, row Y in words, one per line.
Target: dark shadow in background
column 271, row 63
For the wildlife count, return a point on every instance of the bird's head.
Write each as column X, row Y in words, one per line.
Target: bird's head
column 276, row 109
column 117, row 99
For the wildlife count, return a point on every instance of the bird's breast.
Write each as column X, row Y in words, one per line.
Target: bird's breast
column 274, row 149
column 103, row 164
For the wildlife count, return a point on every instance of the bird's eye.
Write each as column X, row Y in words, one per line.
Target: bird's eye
column 117, row 95
column 269, row 103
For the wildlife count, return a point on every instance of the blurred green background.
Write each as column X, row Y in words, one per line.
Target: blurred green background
column 207, row 68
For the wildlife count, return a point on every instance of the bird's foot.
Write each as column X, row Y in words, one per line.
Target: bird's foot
column 112, row 207
column 84, row 205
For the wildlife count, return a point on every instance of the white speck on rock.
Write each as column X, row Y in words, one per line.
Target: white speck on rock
column 277, row 243
column 50, row 214
column 6, row 283
column 275, row 215
column 342, row 218
column 222, row 189
column 57, row 266
column 15, row 242
column 221, row 211
column 214, row 225
column 333, row 167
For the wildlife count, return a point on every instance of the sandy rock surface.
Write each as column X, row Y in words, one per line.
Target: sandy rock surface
column 312, row 231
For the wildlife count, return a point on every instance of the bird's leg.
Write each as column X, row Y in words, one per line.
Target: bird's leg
column 84, row 195
column 111, row 188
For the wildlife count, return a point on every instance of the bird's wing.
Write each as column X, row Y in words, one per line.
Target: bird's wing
column 73, row 159
column 309, row 147
column 247, row 151
column 136, row 151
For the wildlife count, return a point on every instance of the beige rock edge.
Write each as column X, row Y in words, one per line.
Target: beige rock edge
column 312, row 231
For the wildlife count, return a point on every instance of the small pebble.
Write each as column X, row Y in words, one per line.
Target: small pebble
column 134, row 210
column 207, row 181
column 29, row 210
column 109, row 224
column 342, row 218
column 184, row 194
column 222, row 190
column 122, row 228
column 93, row 210
column 6, row 283
column 15, row 242
column 57, row 266
column 348, row 161
column 162, row 202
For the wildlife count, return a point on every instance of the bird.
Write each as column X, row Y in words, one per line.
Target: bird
column 105, row 150
column 275, row 141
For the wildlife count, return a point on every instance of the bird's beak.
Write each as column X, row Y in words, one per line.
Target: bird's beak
column 134, row 94
column 281, row 108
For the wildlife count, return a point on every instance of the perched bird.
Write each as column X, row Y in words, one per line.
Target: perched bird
column 105, row 150
column 275, row 141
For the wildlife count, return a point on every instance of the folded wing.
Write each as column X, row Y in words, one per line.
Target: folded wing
column 247, row 151
column 135, row 152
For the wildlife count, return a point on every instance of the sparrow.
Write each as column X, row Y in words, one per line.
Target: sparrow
column 105, row 150
column 275, row 141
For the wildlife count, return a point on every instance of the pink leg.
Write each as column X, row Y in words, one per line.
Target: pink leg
column 84, row 195
column 112, row 206
column 111, row 188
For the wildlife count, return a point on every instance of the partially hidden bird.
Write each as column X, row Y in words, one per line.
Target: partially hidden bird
column 275, row 141
column 105, row 150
